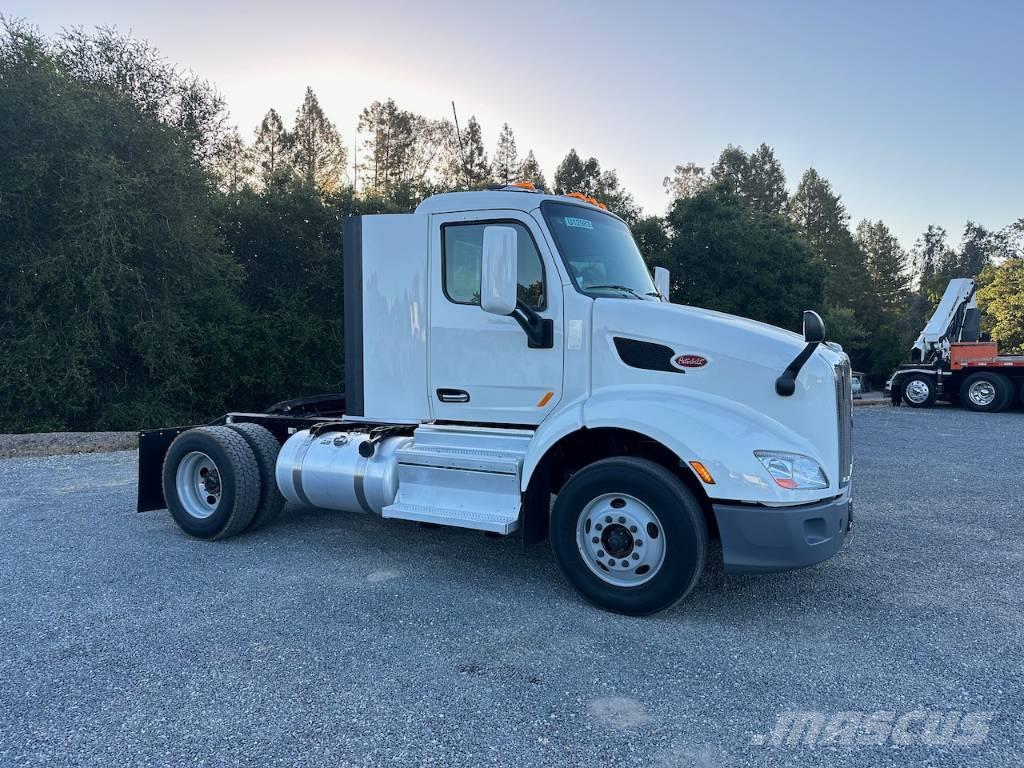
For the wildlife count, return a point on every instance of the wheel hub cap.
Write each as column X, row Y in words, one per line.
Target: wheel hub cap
column 620, row 539
column 982, row 393
column 918, row 391
column 197, row 481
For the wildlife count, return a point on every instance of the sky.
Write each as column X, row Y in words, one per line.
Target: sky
column 913, row 110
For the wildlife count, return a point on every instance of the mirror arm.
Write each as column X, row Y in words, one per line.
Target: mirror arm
column 540, row 331
column 785, row 385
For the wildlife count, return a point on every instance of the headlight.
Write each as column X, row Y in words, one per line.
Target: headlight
column 792, row 470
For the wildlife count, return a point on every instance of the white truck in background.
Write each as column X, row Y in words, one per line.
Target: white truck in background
column 507, row 348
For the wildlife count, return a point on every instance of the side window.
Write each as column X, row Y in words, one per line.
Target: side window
column 463, row 249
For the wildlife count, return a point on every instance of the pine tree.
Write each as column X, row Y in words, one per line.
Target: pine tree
column 506, row 157
column 887, row 265
column 388, row 146
column 585, row 176
column 822, row 218
column 471, row 166
column 234, row 163
column 764, row 186
column 730, row 170
column 317, row 150
column 531, row 171
column 271, row 148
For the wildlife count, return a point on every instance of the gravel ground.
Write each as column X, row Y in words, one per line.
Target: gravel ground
column 336, row 639
column 55, row 443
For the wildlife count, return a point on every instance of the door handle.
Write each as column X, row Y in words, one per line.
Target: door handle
column 453, row 395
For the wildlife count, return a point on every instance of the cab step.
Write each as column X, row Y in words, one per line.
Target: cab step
column 467, row 477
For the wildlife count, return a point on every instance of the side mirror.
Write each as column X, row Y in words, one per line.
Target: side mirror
column 814, row 328
column 498, row 271
column 661, row 282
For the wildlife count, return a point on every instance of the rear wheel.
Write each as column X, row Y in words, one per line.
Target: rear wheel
column 265, row 448
column 629, row 536
column 211, row 482
column 919, row 391
column 986, row 391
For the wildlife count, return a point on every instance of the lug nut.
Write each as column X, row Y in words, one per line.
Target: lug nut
column 622, row 519
column 600, row 553
column 608, row 518
column 598, row 527
column 632, row 529
column 636, row 555
column 611, row 562
column 638, row 543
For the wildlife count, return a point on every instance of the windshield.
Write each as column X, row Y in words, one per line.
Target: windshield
column 599, row 251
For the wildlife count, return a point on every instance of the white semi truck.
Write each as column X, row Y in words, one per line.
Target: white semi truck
column 511, row 365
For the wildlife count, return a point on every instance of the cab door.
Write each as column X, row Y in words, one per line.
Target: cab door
column 482, row 367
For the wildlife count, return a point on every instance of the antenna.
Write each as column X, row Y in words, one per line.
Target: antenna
column 462, row 154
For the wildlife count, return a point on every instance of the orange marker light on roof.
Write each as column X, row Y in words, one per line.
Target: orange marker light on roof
column 592, row 201
column 525, row 185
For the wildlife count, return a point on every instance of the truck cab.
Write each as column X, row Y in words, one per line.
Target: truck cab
column 510, row 364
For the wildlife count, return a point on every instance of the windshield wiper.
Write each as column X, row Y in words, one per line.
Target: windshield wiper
column 624, row 288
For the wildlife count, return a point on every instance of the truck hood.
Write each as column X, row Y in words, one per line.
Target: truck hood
column 741, row 360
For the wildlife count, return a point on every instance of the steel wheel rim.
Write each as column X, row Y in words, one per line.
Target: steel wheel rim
column 918, row 391
column 198, row 484
column 982, row 393
column 618, row 535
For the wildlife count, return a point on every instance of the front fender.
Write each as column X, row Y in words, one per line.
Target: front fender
column 720, row 433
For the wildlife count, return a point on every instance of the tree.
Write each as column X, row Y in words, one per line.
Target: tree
column 388, row 146
column 585, row 176
column 234, row 163
column 470, row 165
column 730, row 171
column 271, row 148
column 119, row 306
column 976, row 248
column 727, row 256
column 506, row 157
column 317, row 151
column 685, row 181
column 530, row 171
column 932, row 256
column 887, row 265
column 764, row 187
column 1001, row 299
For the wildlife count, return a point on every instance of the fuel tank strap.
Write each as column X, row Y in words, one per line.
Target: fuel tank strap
column 358, row 483
column 297, row 471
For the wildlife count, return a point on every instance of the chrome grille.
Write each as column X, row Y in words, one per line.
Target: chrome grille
column 844, row 409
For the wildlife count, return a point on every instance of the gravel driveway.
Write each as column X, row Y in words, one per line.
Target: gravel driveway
column 336, row 639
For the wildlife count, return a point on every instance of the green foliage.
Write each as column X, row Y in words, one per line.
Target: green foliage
column 531, row 171
column 506, row 157
column 1001, row 299
column 757, row 180
column 119, row 304
column 585, row 176
column 726, row 256
column 317, row 152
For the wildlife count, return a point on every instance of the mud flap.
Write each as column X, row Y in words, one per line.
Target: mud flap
column 153, row 445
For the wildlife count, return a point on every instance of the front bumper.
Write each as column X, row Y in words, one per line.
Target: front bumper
column 759, row 539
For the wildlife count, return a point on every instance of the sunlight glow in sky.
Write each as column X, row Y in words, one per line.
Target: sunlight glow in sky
column 914, row 110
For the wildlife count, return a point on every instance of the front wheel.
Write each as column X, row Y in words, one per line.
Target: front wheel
column 919, row 391
column 629, row 536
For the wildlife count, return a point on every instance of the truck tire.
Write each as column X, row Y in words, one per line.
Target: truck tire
column 629, row 536
column 986, row 391
column 211, row 482
column 265, row 448
column 919, row 391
